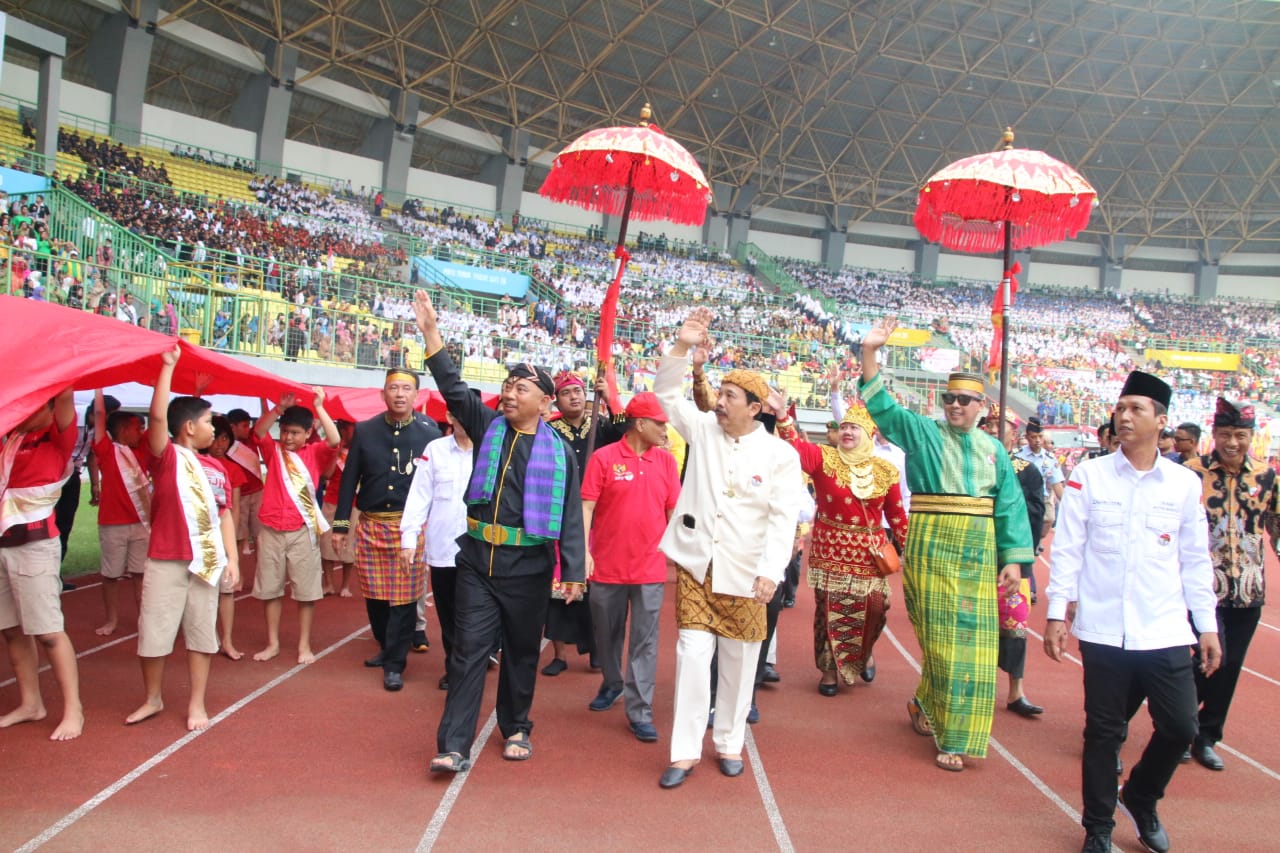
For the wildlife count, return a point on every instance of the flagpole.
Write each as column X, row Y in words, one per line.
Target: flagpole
column 1004, row 325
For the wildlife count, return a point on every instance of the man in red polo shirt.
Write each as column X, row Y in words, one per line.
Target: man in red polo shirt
column 628, row 492
column 34, row 461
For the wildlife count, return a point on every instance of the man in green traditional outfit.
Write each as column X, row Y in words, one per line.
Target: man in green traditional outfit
column 967, row 514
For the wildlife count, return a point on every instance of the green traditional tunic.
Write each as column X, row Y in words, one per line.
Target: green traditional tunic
column 967, row 514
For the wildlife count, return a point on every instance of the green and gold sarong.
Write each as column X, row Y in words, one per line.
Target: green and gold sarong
column 951, row 597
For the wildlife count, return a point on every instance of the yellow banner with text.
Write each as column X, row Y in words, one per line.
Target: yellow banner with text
column 1227, row 361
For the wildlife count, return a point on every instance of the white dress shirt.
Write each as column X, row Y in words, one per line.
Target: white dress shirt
column 741, row 497
column 436, row 500
column 1132, row 550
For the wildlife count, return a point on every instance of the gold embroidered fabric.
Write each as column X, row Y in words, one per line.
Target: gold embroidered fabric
column 870, row 477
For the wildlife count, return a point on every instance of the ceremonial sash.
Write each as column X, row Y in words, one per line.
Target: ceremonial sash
column 301, row 491
column 28, row 504
column 200, row 510
column 247, row 458
column 135, row 482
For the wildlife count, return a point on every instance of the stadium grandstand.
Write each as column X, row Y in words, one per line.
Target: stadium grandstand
column 265, row 203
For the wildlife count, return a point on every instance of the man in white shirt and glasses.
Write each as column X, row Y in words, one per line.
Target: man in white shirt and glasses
column 1130, row 560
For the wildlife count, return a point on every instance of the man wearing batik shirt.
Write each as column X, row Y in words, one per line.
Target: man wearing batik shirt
column 1242, row 500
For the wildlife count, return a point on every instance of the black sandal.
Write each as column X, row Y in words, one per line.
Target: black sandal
column 455, row 763
column 520, row 740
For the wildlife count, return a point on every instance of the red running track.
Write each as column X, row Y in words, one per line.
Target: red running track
column 321, row 758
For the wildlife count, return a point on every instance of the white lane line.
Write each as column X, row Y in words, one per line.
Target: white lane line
column 95, row 649
column 137, row 772
column 1247, row 760
column 1039, row 784
column 1267, row 625
column 80, row 586
column 436, row 825
column 434, row 828
column 776, row 822
column 1066, row 655
column 1265, row 678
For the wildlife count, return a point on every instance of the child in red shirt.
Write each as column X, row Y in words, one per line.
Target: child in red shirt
column 34, row 462
column 292, row 520
column 124, row 504
column 223, row 439
column 193, row 544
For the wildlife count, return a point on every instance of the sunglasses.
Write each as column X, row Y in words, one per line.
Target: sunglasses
column 963, row 399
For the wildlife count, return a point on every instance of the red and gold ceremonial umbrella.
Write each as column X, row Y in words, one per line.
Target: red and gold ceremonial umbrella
column 630, row 172
column 1013, row 198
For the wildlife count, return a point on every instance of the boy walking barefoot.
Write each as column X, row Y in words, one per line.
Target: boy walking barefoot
column 124, row 505
column 223, row 438
column 193, row 545
column 34, row 459
column 292, row 521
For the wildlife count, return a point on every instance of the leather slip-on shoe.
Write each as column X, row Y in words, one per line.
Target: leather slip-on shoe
column 731, row 766
column 1023, row 708
column 644, row 732
column 374, row 662
column 673, row 777
column 1097, row 843
column 1206, row 756
column 392, row 681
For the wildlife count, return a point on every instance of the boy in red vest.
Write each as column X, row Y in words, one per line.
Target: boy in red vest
column 124, row 504
column 34, row 461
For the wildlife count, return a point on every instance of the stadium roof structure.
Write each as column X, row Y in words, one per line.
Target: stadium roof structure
column 841, row 108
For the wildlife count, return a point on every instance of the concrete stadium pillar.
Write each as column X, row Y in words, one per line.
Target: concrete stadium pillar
column 1111, row 264
column 834, row 241
column 263, row 106
column 119, row 56
column 51, row 48
column 927, row 260
column 715, row 230
column 1206, row 271
column 732, row 205
column 390, row 140
column 506, row 170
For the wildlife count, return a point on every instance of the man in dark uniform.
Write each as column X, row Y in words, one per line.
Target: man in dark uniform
column 522, row 499
column 376, row 479
column 571, row 623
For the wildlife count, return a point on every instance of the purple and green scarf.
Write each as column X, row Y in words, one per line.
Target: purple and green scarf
column 544, row 477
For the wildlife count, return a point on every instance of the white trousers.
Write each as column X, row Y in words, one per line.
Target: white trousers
column 737, row 671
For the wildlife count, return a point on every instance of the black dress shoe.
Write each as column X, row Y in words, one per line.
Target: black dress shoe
column 673, row 777
column 392, row 681
column 788, row 603
column 868, row 673
column 443, row 683
column 557, row 666
column 731, row 766
column 1204, row 753
column 770, row 674
column 1186, row 755
column 1023, row 708
column 1097, row 842
column 828, row 689
column 1150, row 831
column 374, row 662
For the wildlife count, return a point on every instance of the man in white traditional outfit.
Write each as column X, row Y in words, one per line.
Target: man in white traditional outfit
column 730, row 536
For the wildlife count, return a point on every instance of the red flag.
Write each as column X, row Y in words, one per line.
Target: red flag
column 608, row 320
column 997, row 314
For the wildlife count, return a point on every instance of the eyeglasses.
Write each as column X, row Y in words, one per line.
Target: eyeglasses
column 963, row 399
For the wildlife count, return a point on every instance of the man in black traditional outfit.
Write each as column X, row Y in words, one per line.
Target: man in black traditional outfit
column 376, row 480
column 523, row 499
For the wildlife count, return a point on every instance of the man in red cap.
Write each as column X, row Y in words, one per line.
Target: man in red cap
column 628, row 493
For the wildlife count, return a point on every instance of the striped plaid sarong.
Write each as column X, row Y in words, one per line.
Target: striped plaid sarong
column 378, row 560
column 951, row 591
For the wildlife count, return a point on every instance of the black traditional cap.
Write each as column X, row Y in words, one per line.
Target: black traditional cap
column 1141, row 384
column 238, row 416
column 1229, row 414
column 1033, row 425
column 539, row 377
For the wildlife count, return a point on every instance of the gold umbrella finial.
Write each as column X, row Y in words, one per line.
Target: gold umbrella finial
column 1006, row 139
column 646, row 113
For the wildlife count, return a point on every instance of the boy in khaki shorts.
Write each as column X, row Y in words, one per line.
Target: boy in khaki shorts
column 243, row 454
column 34, row 459
column 193, row 547
column 343, row 558
column 223, row 438
column 292, row 520
column 124, row 504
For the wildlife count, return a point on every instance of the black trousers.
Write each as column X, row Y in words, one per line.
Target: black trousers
column 1235, row 631
column 515, row 606
column 444, row 581
column 392, row 626
column 1115, row 681
column 64, row 511
column 792, row 580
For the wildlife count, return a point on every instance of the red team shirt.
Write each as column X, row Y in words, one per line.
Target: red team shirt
column 278, row 511
column 170, row 539
column 630, row 492
column 42, row 460
column 114, row 506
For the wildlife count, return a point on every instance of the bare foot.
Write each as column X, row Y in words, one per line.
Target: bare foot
column 70, row 727
column 231, row 652
column 328, row 590
column 346, row 593
column 306, row 656
column 22, row 715
column 105, row 630
column 197, row 719
column 268, row 653
column 146, row 711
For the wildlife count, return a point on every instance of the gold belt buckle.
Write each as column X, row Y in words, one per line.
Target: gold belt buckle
column 495, row 534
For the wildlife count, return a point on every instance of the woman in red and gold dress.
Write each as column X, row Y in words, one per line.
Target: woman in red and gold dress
column 856, row 491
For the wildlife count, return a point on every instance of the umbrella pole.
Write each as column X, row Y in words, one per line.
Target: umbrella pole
column 1004, row 326
column 620, row 253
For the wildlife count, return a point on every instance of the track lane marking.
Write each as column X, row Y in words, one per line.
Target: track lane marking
column 776, row 823
column 136, row 773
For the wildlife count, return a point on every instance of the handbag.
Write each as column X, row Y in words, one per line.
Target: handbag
column 884, row 555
